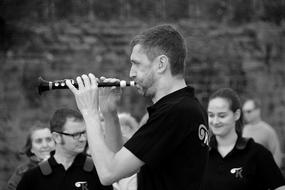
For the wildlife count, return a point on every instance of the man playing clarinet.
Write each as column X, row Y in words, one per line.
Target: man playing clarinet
column 170, row 150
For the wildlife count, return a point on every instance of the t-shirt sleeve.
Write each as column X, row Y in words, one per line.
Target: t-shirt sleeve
column 268, row 170
column 162, row 135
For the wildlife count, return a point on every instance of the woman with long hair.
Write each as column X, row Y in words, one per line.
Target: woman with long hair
column 236, row 163
column 39, row 144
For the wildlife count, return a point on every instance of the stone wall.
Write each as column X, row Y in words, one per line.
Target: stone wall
column 248, row 58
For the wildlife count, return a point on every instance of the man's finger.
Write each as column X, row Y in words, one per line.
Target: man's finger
column 93, row 79
column 80, row 83
column 102, row 78
column 71, row 86
column 86, row 81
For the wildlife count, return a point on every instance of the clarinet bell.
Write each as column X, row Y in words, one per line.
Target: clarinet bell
column 43, row 85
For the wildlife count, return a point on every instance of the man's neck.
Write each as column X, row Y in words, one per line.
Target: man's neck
column 63, row 158
column 168, row 86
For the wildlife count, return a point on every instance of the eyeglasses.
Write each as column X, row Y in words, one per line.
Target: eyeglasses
column 75, row 136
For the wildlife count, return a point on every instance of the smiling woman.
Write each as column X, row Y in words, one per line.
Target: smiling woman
column 235, row 162
column 38, row 146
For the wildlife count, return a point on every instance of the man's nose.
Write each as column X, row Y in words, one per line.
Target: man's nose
column 132, row 73
column 83, row 137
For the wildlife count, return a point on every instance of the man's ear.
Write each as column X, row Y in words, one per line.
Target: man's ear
column 163, row 63
column 56, row 137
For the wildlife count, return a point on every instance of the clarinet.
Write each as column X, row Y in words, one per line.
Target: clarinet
column 45, row 85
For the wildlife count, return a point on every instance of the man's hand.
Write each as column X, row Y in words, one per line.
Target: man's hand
column 87, row 95
column 109, row 97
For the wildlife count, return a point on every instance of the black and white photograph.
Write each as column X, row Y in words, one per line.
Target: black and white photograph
column 142, row 95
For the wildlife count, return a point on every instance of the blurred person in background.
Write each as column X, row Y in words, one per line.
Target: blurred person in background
column 68, row 167
column 235, row 162
column 39, row 144
column 129, row 126
column 259, row 130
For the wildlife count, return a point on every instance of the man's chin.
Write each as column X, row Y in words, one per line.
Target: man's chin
column 139, row 89
column 141, row 92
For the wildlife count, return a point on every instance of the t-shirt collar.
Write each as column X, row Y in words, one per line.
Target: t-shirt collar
column 78, row 160
column 186, row 90
column 240, row 144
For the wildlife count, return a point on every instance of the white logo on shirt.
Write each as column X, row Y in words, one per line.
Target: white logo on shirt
column 203, row 134
column 237, row 172
column 82, row 184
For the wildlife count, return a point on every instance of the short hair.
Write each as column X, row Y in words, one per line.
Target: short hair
column 234, row 102
column 256, row 102
column 60, row 116
column 164, row 39
column 37, row 125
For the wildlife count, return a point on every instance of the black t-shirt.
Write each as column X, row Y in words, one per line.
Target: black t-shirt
column 248, row 166
column 173, row 143
column 74, row 178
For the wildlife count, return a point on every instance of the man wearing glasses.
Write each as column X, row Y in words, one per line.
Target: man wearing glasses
column 68, row 167
column 259, row 130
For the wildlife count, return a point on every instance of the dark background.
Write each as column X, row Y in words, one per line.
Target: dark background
column 231, row 43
